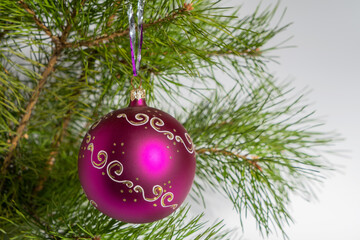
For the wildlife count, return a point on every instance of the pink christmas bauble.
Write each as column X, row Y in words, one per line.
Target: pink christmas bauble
column 137, row 164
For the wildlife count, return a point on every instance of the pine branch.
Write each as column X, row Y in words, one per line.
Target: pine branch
column 5, row 70
column 57, row 50
column 257, row 124
column 58, row 138
column 29, row 108
column 112, row 17
column 3, row 34
column 82, row 221
column 108, row 38
column 40, row 24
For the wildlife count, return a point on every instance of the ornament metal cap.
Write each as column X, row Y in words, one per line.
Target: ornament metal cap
column 137, row 97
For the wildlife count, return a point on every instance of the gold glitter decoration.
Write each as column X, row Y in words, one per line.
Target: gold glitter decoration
column 143, row 118
column 88, row 138
column 118, row 172
column 157, row 191
column 102, row 157
column 137, row 93
column 170, row 197
column 156, row 122
column 187, row 136
column 95, row 124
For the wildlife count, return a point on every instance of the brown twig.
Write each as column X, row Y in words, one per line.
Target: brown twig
column 29, row 108
column 106, row 38
column 59, row 47
column 253, row 160
column 112, row 17
column 58, row 138
column 40, row 24
column 6, row 71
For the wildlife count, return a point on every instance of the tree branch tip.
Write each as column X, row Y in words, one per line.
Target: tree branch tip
column 188, row 7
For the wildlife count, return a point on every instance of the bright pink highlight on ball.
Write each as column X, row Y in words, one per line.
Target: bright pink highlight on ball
column 153, row 157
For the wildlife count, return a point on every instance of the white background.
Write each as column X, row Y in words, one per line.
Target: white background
column 326, row 59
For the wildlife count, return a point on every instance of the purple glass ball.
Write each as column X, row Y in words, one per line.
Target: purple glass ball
column 137, row 164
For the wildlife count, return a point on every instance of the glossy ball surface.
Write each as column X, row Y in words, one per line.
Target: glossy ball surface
column 137, row 164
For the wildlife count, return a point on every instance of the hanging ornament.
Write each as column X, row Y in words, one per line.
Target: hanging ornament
column 137, row 164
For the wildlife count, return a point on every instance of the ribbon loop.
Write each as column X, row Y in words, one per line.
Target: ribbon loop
column 136, row 58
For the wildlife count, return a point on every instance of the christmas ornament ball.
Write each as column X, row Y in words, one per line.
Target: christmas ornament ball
column 137, row 164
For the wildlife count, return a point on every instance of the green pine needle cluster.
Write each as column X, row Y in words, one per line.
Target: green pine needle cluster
column 63, row 64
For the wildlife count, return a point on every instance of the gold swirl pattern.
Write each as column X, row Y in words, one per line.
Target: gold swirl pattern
column 156, row 122
column 103, row 161
column 157, row 190
column 118, row 172
column 187, row 136
column 143, row 118
column 88, row 137
column 101, row 157
column 170, row 198
column 96, row 123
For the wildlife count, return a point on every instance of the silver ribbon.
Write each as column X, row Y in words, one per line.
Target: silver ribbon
column 132, row 32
